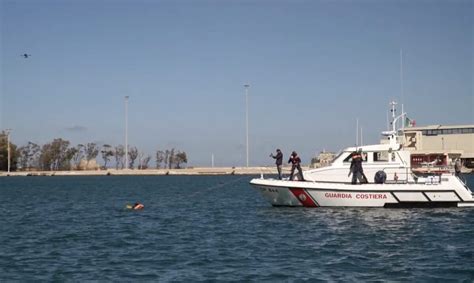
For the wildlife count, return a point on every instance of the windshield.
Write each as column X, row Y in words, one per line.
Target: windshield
column 337, row 156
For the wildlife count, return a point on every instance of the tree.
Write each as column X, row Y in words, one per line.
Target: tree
column 140, row 157
column 70, row 152
column 119, row 154
column 107, row 153
column 160, row 157
column 56, row 155
column 91, row 151
column 78, row 155
column 171, row 160
column 180, row 158
column 23, row 157
column 4, row 153
column 45, row 159
column 144, row 162
column 167, row 156
column 133, row 154
column 28, row 156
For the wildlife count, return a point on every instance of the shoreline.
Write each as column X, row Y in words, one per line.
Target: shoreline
column 196, row 171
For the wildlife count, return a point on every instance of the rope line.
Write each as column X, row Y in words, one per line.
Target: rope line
column 218, row 186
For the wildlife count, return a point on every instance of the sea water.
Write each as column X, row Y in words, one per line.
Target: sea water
column 217, row 228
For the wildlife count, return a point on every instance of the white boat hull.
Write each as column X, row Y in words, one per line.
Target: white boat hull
column 449, row 193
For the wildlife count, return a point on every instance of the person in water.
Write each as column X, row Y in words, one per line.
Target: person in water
column 138, row 206
column 278, row 162
column 356, row 168
column 295, row 164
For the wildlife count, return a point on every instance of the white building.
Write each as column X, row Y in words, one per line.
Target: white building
column 451, row 141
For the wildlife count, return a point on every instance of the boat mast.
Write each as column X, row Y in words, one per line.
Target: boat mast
column 401, row 86
column 357, row 132
column 393, row 109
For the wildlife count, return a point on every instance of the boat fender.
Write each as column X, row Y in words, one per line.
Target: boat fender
column 380, row 177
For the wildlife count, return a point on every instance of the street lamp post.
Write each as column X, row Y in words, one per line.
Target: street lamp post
column 8, row 149
column 126, row 132
column 247, row 119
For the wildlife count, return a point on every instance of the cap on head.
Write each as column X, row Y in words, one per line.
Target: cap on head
column 294, row 153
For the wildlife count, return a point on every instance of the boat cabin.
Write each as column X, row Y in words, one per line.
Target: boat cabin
column 383, row 157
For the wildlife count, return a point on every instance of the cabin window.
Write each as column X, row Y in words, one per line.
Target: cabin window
column 381, row 156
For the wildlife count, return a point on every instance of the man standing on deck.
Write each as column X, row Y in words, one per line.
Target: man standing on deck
column 356, row 168
column 278, row 162
column 457, row 167
column 295, row 164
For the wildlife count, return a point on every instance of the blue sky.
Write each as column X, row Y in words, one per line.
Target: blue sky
column 314, row 67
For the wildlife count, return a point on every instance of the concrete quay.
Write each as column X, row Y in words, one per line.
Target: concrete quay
column 204, row 171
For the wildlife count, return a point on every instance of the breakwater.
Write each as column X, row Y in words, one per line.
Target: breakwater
column 157, row 172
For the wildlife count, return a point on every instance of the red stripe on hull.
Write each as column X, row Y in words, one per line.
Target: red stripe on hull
column 303, row 197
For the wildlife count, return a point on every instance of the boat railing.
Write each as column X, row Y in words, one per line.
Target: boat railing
column 430, row 168
column 409, row 174
column 397, row 174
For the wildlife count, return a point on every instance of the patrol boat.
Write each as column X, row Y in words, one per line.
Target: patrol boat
column 393, row 184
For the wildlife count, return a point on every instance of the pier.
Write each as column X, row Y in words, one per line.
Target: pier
column 204, row 171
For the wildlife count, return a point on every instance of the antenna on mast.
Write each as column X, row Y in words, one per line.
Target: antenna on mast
column 357, row 132
column 393, row 109
column 392, row 134
column 401, row 86
column 401, row 75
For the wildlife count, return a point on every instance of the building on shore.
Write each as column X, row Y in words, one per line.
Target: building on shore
column 440, row 144
column 323, row 159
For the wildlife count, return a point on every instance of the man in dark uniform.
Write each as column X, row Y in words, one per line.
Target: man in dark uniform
column 457, row 167
column 356, row 168
column 295, row 164
column 278, row 162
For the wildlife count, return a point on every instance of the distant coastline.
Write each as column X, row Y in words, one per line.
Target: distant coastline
column 155, row 172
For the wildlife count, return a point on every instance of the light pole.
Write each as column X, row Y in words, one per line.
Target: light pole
column 8, row 149
column 126, row 132
column 247, row 118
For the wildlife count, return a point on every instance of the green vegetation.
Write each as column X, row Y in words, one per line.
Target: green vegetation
column 60, row 155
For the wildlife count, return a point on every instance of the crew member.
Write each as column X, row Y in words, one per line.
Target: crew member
column 356, row 168
column 457, row 167
column 278, row 162
column 295, row 164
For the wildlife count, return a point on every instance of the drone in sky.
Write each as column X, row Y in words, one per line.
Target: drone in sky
column 26, row 56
